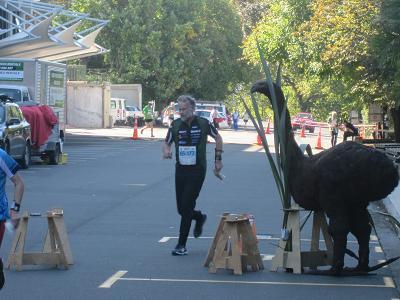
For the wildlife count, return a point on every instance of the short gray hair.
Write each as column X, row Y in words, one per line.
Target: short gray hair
column 190, row 99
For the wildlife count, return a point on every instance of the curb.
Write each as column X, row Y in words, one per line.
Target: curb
column 388, row 238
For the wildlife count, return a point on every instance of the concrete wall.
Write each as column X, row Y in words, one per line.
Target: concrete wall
column 132, row 93
column 88, row 105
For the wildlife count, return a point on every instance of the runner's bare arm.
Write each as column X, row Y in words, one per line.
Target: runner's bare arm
column 167, row 151
column 19, row 188
column 218, row 152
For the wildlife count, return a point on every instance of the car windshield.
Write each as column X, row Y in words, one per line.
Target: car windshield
column 2, row 114
column 12, row 93
column 203, row 113
column 132, row 108
column 304, row 116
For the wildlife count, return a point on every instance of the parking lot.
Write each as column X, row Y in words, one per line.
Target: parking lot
column 119, row 205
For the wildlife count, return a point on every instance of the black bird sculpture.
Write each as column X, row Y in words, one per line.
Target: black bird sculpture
column 340, row 181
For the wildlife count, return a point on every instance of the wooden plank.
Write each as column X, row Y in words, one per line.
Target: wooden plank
column 64, row 245
column 52, row 259
column 18, row 245
column 211, row 251
column 314, row 259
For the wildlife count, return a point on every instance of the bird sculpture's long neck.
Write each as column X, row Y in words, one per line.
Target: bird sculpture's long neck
column 294, row 153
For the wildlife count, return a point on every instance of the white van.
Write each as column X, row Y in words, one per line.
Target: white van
column 208, row 105
column 118, row 111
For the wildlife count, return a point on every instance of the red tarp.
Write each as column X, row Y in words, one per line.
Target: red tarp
column 42, row 119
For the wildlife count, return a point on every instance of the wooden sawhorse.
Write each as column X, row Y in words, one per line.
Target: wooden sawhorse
column 56, row 248
column 296, row 259
column 234, row 246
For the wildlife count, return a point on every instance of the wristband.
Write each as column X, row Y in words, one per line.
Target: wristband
column 15, row 206
column 218, row 155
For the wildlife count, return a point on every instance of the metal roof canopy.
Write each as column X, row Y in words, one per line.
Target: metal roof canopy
column 37, row 30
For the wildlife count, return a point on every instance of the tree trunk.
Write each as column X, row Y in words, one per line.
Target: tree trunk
column 395, row 112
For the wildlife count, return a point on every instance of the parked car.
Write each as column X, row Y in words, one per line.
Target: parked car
column 221, row 119
column 305, row 119
column 15, row 132
column 131, row 113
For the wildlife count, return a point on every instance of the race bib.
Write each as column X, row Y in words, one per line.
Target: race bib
column 187, row 155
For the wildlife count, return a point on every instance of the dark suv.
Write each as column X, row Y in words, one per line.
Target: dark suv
column 15, row 133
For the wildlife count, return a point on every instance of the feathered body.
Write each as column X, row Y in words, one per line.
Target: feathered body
column 350, row 172
column 340, row 181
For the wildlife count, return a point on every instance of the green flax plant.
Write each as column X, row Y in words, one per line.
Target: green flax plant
column 279, row 166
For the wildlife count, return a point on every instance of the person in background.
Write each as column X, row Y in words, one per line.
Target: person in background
column 245, row 118
column 214, row 116
column 349, row 130
column 8, row 169
column 148, row 118
column 235, row 118
column 333, row 125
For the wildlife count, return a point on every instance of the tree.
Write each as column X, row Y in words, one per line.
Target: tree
column 170, row 47
column 323, row 47
column 386, row 45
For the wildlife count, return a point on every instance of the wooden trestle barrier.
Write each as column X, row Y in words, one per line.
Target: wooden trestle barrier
column 296, row 259
column 234, row 246
column 56, row 249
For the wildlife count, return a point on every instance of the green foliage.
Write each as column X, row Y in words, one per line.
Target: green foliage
column 170, row 46
column 325, row 49
column 279, row 166
column 386, row 45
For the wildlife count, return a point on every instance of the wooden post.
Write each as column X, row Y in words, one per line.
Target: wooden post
column 289, row 259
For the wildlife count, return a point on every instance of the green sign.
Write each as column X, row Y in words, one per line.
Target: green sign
column 11, row 71
column 57, row 79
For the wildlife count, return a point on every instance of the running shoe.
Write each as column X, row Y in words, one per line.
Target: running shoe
column 179, row 250
column 198, row 228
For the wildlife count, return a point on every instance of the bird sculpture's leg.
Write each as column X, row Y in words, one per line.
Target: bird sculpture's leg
column 339, row 229
column 361, row 229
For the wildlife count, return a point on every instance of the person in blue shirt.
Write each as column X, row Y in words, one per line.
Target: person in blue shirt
column 8, row 169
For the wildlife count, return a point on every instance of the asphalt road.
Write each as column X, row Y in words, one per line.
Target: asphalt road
column 119, row 206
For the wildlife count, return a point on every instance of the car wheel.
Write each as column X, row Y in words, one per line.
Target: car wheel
column 54, row 156
column 25, row 161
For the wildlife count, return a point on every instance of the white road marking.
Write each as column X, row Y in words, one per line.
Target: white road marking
column 382, row 261
column 386, row 285
column 134, row 184
column 378, row 249
column 374, row 237
column 253, row 148
column 388, row 281
column 113, row 279
column 267, row 256
column 165, row 239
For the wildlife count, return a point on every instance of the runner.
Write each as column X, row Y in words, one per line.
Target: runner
column 189, row 133
column 148, row 118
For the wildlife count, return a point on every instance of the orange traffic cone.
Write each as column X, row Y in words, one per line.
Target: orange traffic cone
column 135, row 130
column 267, row 131
column 259, row 142
column 319, row 146
column 303, row 131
